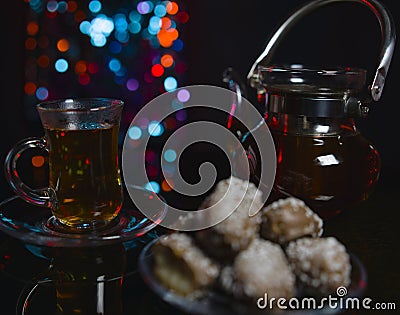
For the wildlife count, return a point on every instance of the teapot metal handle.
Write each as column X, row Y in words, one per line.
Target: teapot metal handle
column 388, row 41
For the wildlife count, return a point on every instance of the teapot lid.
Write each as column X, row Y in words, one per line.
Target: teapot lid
column 298, row 90
column 297, row 78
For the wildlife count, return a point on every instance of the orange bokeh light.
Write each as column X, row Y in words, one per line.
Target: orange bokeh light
column 172, row 8
column 165, row 186
column 80, row 67
column 32, row 28
column 30, row 43
column 166, row 23
column 37, row 161
column 30, row 88
column 167, row 37
column 63, row 45
column 43, row 61
column 167, row 60
column 72, row 6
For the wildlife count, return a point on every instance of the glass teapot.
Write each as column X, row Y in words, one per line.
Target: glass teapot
column 321, row 156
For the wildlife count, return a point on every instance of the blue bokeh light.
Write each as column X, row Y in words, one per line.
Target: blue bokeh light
column 114, row 65
column 52, row 6
column 42, row 93
column 160, row 10
column 155, row 129
column 120, row 22
column 170, row 155
column 170, row 84
column 84, row 27
column 134, row 27
column 95, row 6
column 61, row 65
column 177, row 45
column 62, row 7
column 122, row 37
column 100, row 28
column 134, row 16
column 98, row 40
column 153, row 186
column 134, row 133
column 155, row 24
column 115, row 47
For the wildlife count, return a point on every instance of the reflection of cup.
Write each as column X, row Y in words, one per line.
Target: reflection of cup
column 85, row 280
column 91, row 281
column 81, row 137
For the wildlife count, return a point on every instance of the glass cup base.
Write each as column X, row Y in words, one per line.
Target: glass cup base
column 36, row 225
column 55, row 225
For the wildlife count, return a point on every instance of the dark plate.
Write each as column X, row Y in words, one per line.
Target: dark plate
column 216, row 303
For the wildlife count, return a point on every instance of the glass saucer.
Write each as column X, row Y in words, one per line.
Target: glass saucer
column 214, row 302
column 36, row 225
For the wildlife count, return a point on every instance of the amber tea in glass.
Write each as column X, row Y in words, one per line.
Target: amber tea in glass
column 81, row 137
column 84, row 171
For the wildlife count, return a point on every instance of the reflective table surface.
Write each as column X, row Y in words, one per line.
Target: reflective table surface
column 106, row 280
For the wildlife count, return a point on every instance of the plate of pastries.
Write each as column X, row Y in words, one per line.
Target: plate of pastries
column 269, row 262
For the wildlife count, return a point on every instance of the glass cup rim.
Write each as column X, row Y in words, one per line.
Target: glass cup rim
column 67, row 104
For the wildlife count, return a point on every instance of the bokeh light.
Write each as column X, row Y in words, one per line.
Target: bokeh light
column 132, row 84
column 42, row 93
column 160, row 10
column 155, row 129
column 61, row 65
column 72, row 6
column 30, row 88
column 52, row 6
column 84, row 79
column 37, row 160
column 172, row 8
column 114, row 65
column 153, row 186
column 134, row 133
column 144, row 7
column 132, row 49
column 157, row 70
column 183, row 95
column 150, row 156
column 181, row 115
column 32, row 28
column 30, row 43
column 170, row 155
column 80, row 67
column 43, row 61
column 170, row 84
column 94, row 6
column 63, row 45
column 167, row 60
column 165, row 186
column 152, row 171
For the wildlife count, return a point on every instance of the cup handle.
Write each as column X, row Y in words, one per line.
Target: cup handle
column 43, row 197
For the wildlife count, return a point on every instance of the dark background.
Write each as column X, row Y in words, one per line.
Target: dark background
column 223, row 34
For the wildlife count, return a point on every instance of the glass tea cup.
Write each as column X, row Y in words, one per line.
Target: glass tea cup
column 81, row 138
